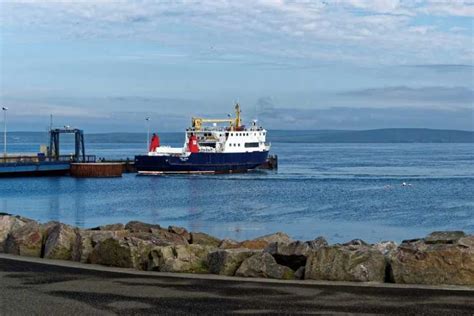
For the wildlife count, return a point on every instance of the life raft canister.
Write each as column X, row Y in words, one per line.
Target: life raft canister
column 193, row 144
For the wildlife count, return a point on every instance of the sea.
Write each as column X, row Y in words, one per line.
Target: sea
column 342, row 191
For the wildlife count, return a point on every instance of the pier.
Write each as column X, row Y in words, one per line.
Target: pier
column 39, row 165
column 88, row 166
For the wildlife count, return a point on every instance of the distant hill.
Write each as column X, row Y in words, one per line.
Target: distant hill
column 389, row 135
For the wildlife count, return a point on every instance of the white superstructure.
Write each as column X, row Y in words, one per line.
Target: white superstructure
column 235, row 138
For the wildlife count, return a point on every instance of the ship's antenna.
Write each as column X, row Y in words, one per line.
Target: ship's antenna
column 50, row 122
column 256, row 111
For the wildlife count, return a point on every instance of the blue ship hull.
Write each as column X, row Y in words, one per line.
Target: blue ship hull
column 201, row 162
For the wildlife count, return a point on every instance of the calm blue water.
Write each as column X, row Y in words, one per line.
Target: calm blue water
column 340, row 191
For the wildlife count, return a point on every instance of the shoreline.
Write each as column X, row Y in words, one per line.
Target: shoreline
column 441, row 258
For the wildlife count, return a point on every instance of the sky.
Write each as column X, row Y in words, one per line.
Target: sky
column 105, row 65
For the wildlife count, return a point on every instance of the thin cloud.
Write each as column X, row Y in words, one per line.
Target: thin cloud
column 363, row 30
column 425, row 96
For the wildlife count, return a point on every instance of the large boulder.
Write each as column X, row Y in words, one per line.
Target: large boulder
column 7, row 224
column 276, row 237
column 294, row 254
column 140, row 227
column 25, row 240
column 227, row 261
column 166, row 237
column 60, row 242
column 128, row 252
column 444, row 237
column 354, row 261
column 113, row 227
column 180, row 258
column 204, row 239
column 387, row 248
column 88, row 239
column 259, row 243
column 180, row 231
column 229, row 244
column 263, row 265
column 440, row 258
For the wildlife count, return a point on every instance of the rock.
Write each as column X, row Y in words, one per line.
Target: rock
column 260, row 243
column 165, row 237
column 356, row 242
column 467, row 241
column 60, row 242
column 299, row 274
column 128, row 252
column 294, row 254
column 83, row 248
column 351, row 262
column 263, row 265
column 317, row 243
column 113, row 227
column 112, row 252
column 227, row 261
column 276, row 237
column 180, row 231
column 25, row 240
column 386, row 247
column 88, row 239
column 140, row 227
column 431, row 261
column 157, row 237
column 444, row 237
column 180, row 258
column 229, row 244
column 204, row 239
column 8, row 223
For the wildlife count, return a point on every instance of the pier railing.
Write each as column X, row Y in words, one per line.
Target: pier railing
column 44, row 159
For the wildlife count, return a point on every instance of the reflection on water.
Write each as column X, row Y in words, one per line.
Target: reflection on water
column 80, row 209
column 340, row 191
column 54, row 203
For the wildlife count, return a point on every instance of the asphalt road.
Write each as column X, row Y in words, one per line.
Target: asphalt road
column 28, row 288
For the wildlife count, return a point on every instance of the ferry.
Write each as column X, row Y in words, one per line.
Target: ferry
column 209, row 149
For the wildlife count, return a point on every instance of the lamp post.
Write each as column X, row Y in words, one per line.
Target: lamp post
column 147, row 119
column 4, row 109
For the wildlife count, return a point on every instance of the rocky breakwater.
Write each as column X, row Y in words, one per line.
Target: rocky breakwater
column 439, row 258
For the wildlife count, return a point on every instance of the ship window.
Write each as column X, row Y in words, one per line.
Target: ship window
column 239, row 144
column 213, row 145
column 251, row 145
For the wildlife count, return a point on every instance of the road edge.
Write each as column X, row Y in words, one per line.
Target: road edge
column 214, row 277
